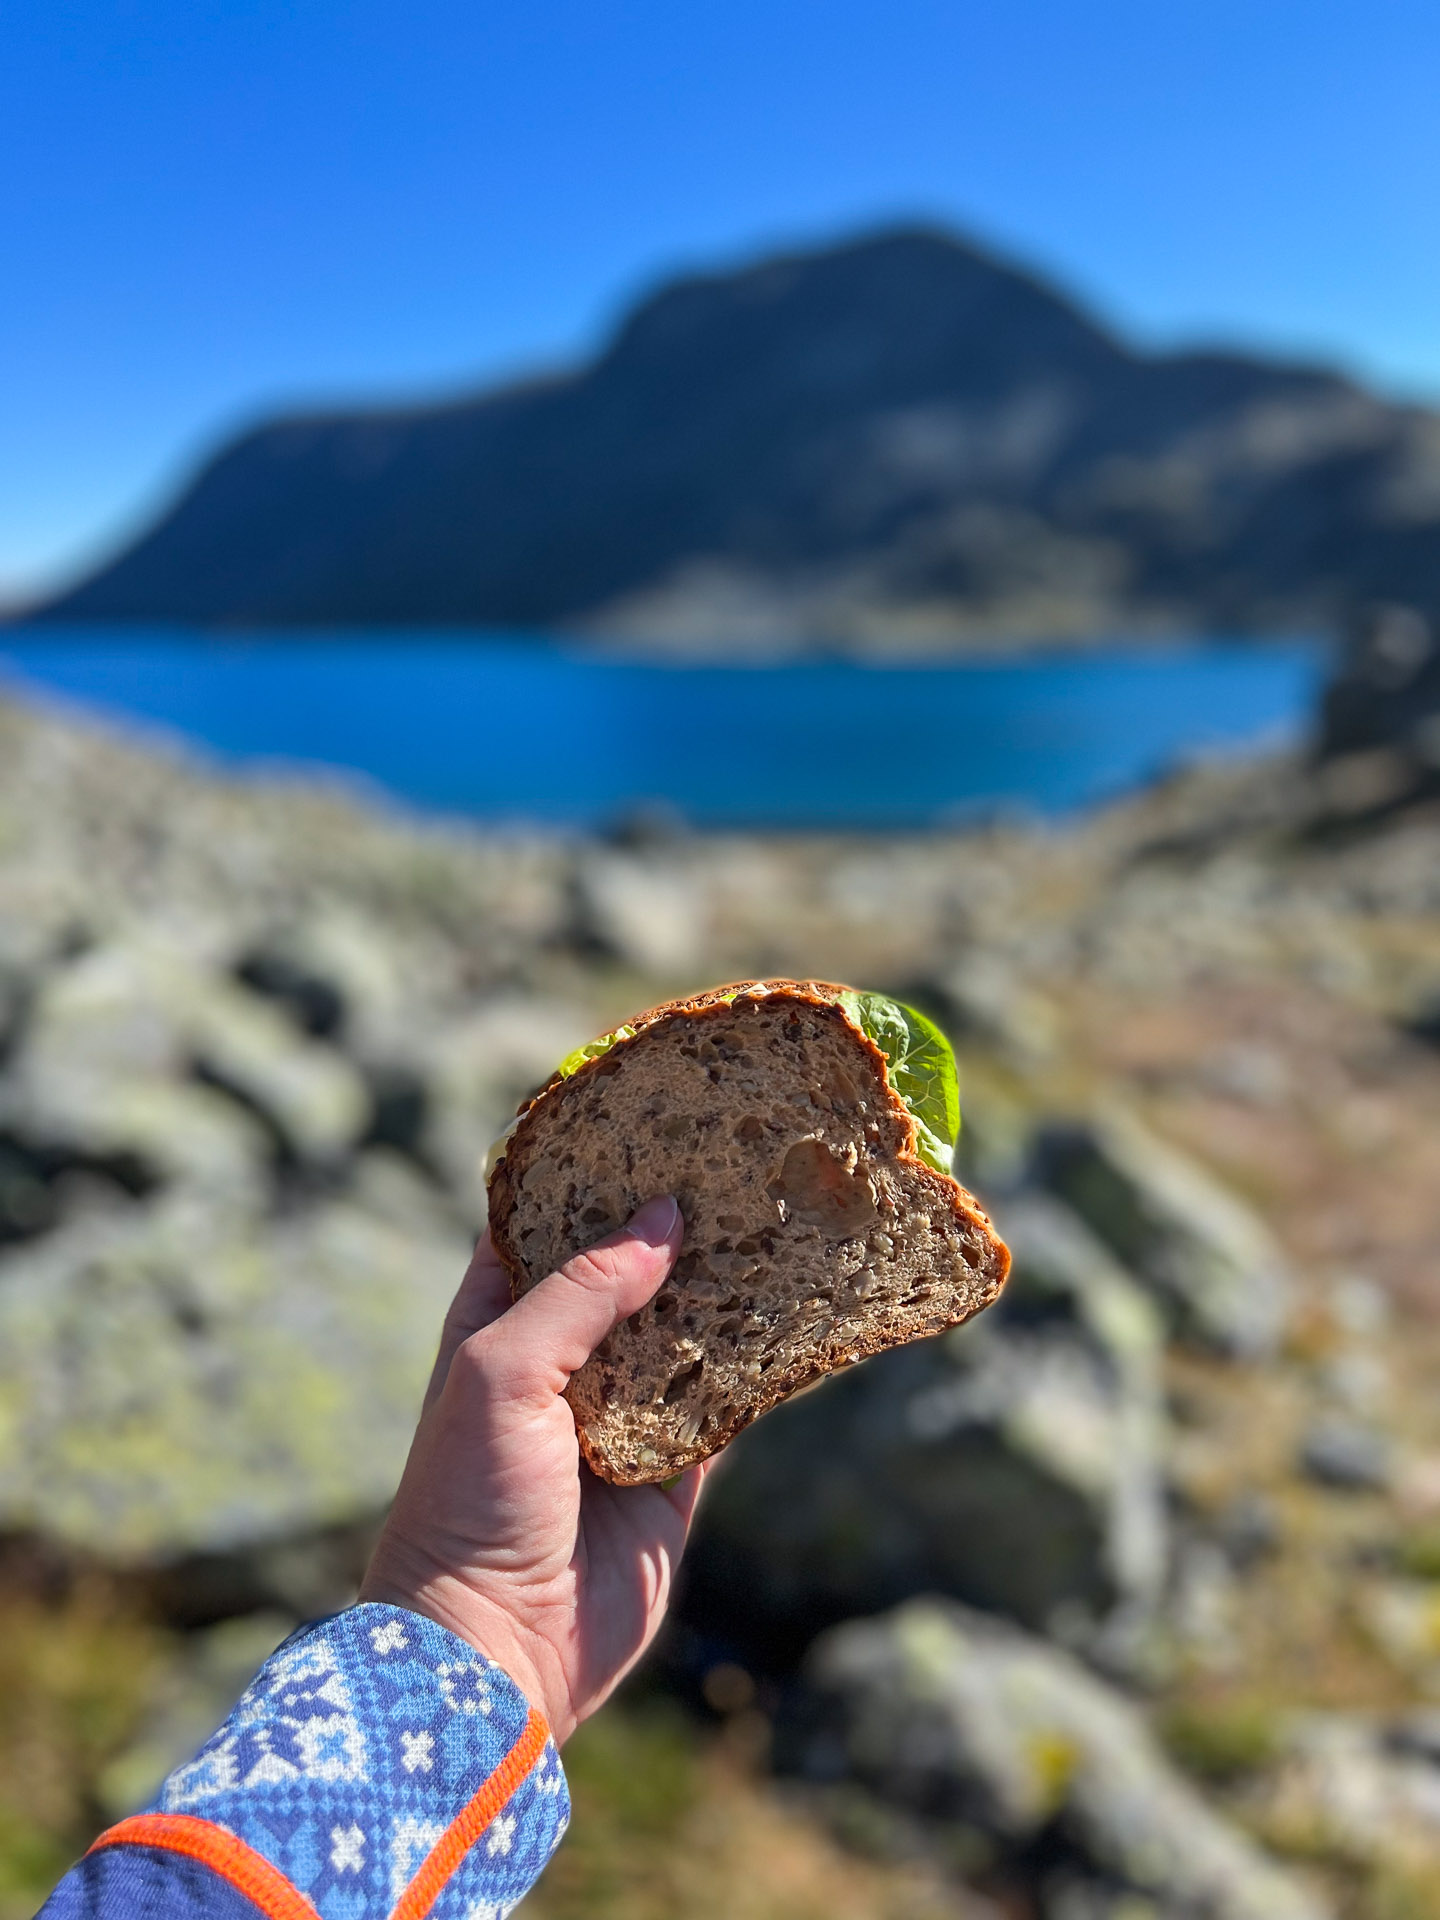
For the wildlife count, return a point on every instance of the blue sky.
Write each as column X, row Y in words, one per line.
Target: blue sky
column 210, row 209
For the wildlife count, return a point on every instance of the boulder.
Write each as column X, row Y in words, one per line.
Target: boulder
column 188, row 1374
column 345, row 975
column 646, row 912
column 1345, row 1455
column 981, row 998
column 1205, row 1256
column 132, row 1047
column 973, row 1724
column 312, row 1000
column 1015, row 1463
column 136, row 1132
column 479, row 1070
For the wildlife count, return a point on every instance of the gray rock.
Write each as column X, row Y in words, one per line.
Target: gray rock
column 190, row 1375
column 341, row 976
column 238, row 1165
column 313, row 1100
column 1015, row 1463
column 1069, row 1305
column 1358, row 1379
column 1206, row 1257
column 134, row 1047
column 1352, row 1458
column 1362, row 1790
column 1398, row 1615
column 479, row 1069
column 982, row 998
column 645, row 912
column 966, row 1718
column 993, row 1154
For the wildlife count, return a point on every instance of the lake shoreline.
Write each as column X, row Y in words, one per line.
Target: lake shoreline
column 506, row 728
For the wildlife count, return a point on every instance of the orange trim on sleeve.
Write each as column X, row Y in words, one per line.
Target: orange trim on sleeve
column 277, row 1898
column 472, row 1820
column 245, row 1869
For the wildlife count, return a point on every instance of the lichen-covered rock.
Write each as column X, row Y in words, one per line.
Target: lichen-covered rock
column 134, row 1048
column 970, row 1721
column 1069, row 1291
column 1015, row 1463
column 182, row 1373
column 1206, row 1257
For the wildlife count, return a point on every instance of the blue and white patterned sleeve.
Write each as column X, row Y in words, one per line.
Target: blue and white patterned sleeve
column 376, row 1766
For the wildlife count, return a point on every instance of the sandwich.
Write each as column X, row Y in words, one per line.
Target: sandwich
column 806, row 1131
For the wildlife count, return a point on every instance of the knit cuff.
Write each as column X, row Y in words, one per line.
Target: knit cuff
column 376, row 1765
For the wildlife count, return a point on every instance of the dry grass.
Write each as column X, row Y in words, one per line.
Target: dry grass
column 668, row 1823
column 74, row 1679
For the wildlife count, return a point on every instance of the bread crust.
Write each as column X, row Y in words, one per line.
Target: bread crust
column 781, row 1383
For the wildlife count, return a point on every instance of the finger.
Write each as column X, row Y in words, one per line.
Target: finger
column 552, row 1331
column 684, row 1496
column 484, row 1295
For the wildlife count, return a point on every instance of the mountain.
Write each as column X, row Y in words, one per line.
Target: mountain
column 900, row 440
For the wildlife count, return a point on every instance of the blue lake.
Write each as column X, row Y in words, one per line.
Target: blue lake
column 504, row 727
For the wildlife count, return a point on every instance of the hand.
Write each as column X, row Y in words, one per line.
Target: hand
column 499, row 1531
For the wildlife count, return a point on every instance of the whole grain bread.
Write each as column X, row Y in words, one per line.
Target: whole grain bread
column 814, row 1235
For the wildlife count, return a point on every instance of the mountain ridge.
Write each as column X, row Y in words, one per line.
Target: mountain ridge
column 897, row 440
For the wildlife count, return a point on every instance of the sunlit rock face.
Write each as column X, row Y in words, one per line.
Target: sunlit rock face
column 1204, row 1257
column 979, row 1728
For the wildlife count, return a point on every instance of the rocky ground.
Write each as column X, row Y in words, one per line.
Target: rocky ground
column 1123, row 1602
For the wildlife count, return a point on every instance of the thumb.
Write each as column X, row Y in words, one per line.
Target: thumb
column 552, row 1330
column 484, row 1295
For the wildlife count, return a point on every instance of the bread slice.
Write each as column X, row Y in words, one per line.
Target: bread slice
column 814, row 1233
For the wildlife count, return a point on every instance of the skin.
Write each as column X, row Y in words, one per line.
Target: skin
column 499, row 1531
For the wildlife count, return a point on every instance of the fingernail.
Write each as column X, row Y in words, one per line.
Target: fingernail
column 655, row 1221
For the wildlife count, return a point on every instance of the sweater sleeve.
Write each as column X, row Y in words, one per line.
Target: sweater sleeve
column 376, row 1766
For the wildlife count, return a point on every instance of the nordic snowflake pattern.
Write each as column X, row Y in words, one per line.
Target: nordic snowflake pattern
column 353, row 1750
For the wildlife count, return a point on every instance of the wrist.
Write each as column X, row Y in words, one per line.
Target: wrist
column 489, row 1628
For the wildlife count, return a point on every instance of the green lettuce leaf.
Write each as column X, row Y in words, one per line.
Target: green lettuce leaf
column 922, row 1070
column 592, row 1050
